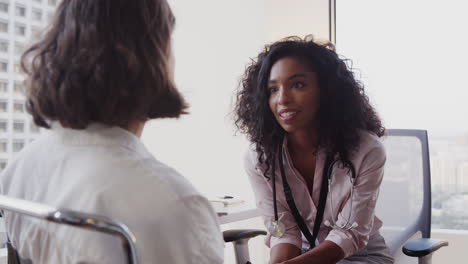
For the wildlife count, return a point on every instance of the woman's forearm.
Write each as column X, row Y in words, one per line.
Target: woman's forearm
column 283, row 252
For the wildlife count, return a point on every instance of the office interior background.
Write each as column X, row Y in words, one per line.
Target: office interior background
column 410, row 55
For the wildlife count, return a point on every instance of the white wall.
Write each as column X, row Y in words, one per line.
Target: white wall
column 298, row 17
column 212, row 43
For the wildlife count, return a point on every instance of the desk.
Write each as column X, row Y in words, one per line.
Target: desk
column 234, row 213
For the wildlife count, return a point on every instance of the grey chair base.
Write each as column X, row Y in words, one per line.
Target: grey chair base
column 240, row 239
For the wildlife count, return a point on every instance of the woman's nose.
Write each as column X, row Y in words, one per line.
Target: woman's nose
column 283, row 96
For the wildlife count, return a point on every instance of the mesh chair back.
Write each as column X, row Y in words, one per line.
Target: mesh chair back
column 404, row 203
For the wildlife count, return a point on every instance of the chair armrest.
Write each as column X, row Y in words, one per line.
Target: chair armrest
column 238, row 234
column 423, row 246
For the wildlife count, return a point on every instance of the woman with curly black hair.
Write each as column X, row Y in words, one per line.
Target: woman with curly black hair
column 316, row 162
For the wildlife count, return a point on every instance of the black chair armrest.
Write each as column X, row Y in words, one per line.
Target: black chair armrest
column 238, row 234
column 423, row 246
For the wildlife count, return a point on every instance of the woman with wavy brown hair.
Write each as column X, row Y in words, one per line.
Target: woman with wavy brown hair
column 316, row 162
column 101, row 71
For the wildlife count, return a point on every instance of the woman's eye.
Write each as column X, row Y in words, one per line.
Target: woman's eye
column 298, row 85
column 272, row 89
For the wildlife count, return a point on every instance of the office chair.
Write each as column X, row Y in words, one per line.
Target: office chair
column 71, row 218
column 404, row 203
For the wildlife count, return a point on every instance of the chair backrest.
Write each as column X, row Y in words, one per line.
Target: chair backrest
column 404, row 203
column 73, row 218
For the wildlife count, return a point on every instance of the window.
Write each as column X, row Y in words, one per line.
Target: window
column 37, row 1
column 36, row 32
column 20, row 11
column 3, row 26
column 419, row 87
column 3, row 145
column 3, row 125
column 33, row 128
column 18, row 107
column 18, row 126
column 3, row 66
column 50, row 16
column 18, row 145
column 4, row 45
column 18, row 68
column 3, row 163
column 20, row 29
column 19, row 48
column 3, row 7
column 18, row 87
column 52, row 2
column 3, row 106
column 3, row 86
column 36, row 15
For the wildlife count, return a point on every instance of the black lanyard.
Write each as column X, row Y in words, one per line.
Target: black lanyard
column 292, row 205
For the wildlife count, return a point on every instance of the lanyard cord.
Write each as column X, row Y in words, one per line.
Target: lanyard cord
column 292, row 205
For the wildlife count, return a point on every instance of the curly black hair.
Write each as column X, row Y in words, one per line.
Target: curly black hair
column 344, row 111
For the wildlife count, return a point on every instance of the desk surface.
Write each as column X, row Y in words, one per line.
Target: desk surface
column 236, row 213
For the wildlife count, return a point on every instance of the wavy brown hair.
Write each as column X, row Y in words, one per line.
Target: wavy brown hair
column 344, row 107
column 105, row 61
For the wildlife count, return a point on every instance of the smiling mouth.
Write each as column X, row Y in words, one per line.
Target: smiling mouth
column 288, row 115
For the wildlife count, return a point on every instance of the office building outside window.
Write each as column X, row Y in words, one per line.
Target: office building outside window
column 3, row 66
column 18, row 68
column 3, row 106
column 50, row 16
column 4, row 46
column 18, row 145
column 27, row 19
column 20, row 29
column 3, row 146
column 18, row 126
column 18, row 87
column 35, row 32
column 18, row 107
column 3, row 163
column 33, row 128
column 3, row 125
column 3, row 86
column 20, row 11
column 3, row 26
column 3, row 7
column 36, row 15
column 19, row 48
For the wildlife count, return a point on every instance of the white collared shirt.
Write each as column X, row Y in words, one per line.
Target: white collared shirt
column 107, row 171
